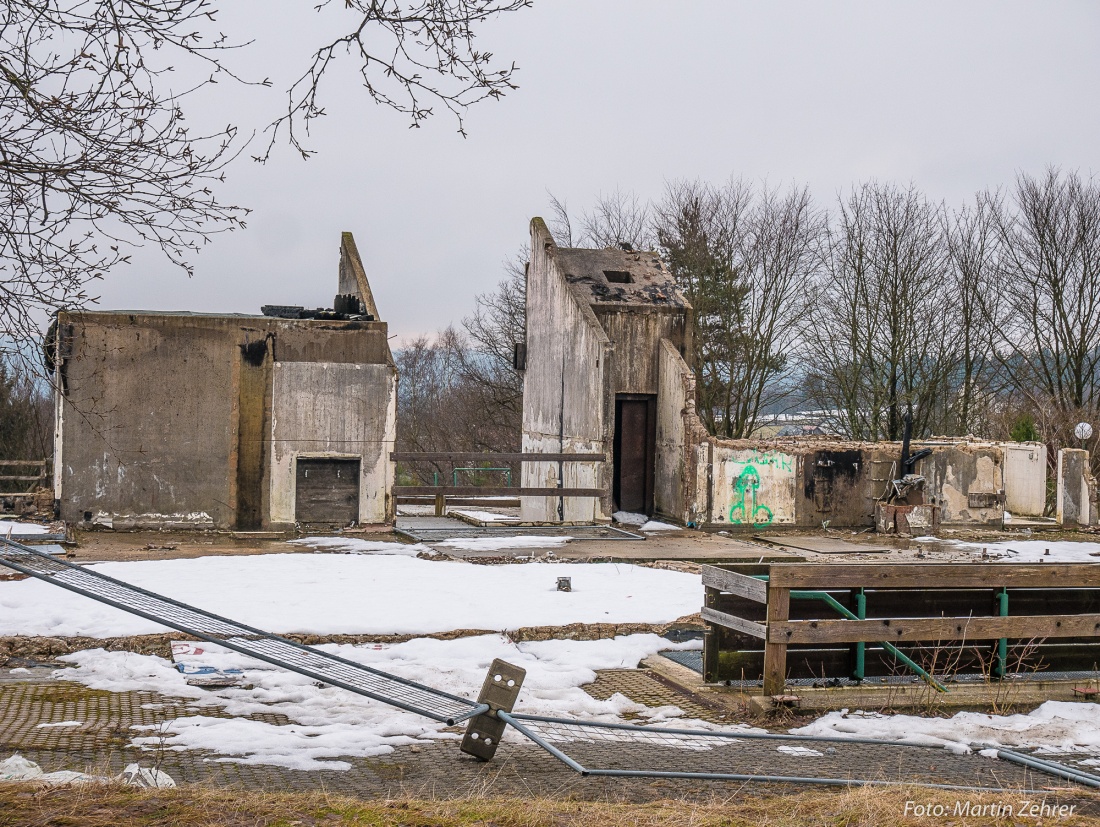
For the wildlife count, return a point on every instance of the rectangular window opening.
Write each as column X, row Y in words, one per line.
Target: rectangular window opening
column 618, row 276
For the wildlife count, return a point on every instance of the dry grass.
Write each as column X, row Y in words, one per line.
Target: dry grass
column 196, row 806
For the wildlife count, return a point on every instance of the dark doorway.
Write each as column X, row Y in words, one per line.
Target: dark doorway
column 635, row 449
column 327, row 491
column 253, row 423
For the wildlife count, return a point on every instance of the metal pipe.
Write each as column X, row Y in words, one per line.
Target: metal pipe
column 1052, row 768
column 1059, row 770
column 509, row 718
column 794, row 779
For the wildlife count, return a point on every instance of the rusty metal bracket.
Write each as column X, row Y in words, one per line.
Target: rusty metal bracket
column 500, row 690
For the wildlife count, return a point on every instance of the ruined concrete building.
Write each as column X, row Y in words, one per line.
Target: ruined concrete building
column 607, row 352
column 595, row 320
column 227, row 421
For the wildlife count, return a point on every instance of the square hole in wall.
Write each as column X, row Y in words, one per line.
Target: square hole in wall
column 618, row 276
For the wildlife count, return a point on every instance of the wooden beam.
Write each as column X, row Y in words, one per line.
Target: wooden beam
column 775, row 651
column 23, row 479
column 893, row 630
column 736, row 623
column 37, row 463
column 934, row 575
column 734, row 583
column 474, row 456
column 491, row 491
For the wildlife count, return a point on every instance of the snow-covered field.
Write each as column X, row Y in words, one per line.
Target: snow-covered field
column 26, row 529
column 330, row 723
column 361, row 594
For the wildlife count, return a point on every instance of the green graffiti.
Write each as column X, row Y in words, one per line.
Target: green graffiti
column 745, row 508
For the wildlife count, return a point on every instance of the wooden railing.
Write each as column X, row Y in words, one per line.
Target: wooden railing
column 30, row 481
column 894, row 604
column 442, row 492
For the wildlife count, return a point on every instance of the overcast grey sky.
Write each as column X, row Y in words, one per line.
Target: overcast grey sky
column 953, row 96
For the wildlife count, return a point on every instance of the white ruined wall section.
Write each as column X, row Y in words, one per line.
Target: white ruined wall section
column 1025, row 479
column 563, row 406
column 322, row 409
column 753, row 488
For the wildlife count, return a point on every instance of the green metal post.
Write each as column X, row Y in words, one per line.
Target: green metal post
column 1000, row 663
column 893, row 650
column 861, row 647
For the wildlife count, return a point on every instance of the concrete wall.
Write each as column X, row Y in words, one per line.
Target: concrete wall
column 807, row 482
column 165, row 418
column 635, row 334
column 334, row 410
column 966, row 481
column 1074, row 481
column 565, row 389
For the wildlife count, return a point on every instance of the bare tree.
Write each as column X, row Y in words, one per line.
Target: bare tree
column 972, row 255
column 1047, row 317
column 409, row 55
column 881, row 341
column 620, row 218
column 95, row 154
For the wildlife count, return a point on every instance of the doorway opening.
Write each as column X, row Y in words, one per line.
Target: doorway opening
column 635, row 449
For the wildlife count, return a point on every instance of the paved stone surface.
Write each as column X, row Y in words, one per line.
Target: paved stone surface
column 101, row 745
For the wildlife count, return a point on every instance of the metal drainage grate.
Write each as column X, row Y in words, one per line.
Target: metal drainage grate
column 321, row 666
column 691, row 658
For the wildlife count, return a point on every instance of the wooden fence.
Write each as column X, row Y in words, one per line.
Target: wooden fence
column 828, row 620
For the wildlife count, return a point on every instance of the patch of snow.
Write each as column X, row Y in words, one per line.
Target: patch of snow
column 499, row 543
column 1035, row 551
column 359, row 594
column 1056, row 726
column 628, row 518
column 18, row 768
column 801, row 752
column 1007, row 517
column 17, row 528
column 355, row 545
column 328, row 724
column 654, row 525
column 19, row 670
column 486, row 516
column 59, row 723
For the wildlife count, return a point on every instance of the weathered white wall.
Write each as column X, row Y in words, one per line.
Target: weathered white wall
column 954, row 472
column 322, row 409
column 1073, row 506
column 565, row 389
column 669, row 491
column 1025, row 478
column 754, row 487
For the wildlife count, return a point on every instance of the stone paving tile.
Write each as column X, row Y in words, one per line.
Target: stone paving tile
column 438, row 769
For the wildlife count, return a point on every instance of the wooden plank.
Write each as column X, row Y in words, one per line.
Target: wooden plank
column 23, row 479
column 896, row 629
column 37, row 463
column 821, row 545
column 736, row 623
column 934, row 575
column 775, row 651
column 492, row 491
column 475, row 456
column 734, row 583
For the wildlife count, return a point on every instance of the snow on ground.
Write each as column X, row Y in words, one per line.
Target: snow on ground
column 1028, row 551
column 360, row 594
column 1055, row 727
column 329, row 723
column 18, row 768
column 487, row 516
column 628, row 518
column 654, row 525
column 356, row 545
column 16, row 528
column 499, row 543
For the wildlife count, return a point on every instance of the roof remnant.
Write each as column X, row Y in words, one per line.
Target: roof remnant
column 617, row 276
